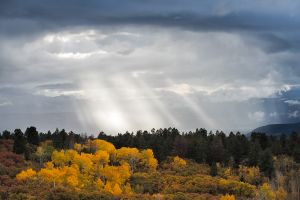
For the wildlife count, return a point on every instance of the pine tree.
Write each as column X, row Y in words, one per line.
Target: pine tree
column 19, row 142
column 213, row 169
column 266, row 162
column 32, row 136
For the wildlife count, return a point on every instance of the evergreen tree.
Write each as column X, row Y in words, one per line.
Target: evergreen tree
column 19, row 142
column 32, row 136
column 57, row 140
column 253, row 157
column 6, row 135
column 266, row 162
column 216, row 150
column 180, row 146
column 213, row 169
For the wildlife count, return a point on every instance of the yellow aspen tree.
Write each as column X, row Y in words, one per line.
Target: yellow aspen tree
column 129, row 155
column 227, row 197
column 83, row 161
column 178, row 163
column 250, row 174
column 49, row 165
column 112, row 174
column 51, row 175
column 72, row 181
column 281, row 194
column 70, row 154
column 108, row 187
column 99, row 184
column 124, row 171
column 266, row 192
column 71, row 176
column 27, row 174
column 40, row 153
column 102, row 145
column 78, row 147
column 58, row 158
column 117, row 190
column 101, row 157
column 127, row 189
column 148, row 159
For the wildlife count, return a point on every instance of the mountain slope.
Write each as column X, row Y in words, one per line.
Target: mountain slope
column 278, row 129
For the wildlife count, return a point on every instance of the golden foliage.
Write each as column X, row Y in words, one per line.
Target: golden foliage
column 237, row 187
column 281, row 194
column 266, row 192
column 78, row 147
column 227, row 197
column 148, row 159
column 103, row 145
column 144, row 160
column 79, row 170
column 178, row 163
column 101, row 157
column 117, row 190
column 106, row 169
column 27, row 174
column 58, row 158
column 250, row 174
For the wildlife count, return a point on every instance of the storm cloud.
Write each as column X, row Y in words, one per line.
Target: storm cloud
column 127, row 65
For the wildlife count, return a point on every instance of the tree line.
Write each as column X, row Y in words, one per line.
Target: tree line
column 233, row 149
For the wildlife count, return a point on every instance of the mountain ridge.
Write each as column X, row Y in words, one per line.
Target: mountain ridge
column 278, row 129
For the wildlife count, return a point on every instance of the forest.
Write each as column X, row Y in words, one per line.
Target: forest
column 160, row 164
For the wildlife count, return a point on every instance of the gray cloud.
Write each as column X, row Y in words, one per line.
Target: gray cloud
column 194, row 15
column 126, row 65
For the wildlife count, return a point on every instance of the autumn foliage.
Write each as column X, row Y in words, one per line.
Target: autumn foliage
column 94, row 169
column 106, row 169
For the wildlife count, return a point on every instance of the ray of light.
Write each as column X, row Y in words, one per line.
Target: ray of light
column 101, row 106
column 196, row 108
column 171, row 118
column 139, row 102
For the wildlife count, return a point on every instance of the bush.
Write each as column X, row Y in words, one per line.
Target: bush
column 95, row 196
column 202, row 184
column 19, row 196
column 145, row 182
column 62, row 194
column 237, row 188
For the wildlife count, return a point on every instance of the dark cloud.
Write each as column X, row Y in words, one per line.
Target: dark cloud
column 274, row 43
column 191, row 14
column 130, row 64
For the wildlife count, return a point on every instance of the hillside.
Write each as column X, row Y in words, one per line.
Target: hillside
column 278, row 129
column 163, row 164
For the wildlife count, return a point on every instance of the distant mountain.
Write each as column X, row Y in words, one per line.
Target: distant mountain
column 278, row 129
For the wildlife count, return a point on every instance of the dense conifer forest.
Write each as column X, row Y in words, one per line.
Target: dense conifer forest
column 160, row 164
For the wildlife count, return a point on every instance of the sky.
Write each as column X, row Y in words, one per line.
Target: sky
column 117, row 66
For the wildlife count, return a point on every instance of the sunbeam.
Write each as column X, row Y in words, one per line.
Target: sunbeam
column 196, row 108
